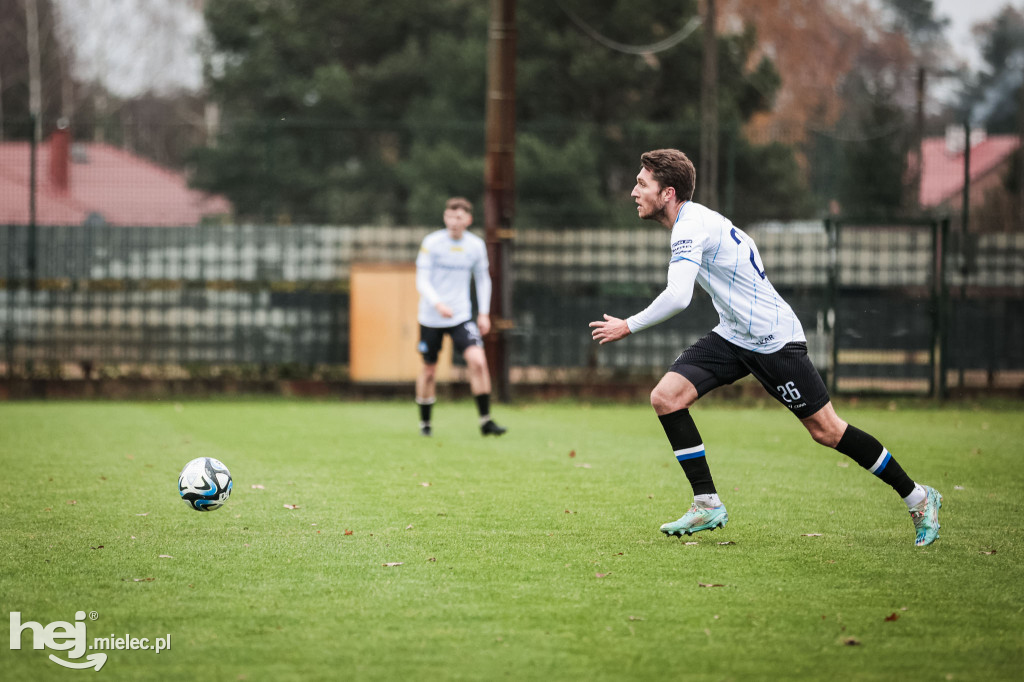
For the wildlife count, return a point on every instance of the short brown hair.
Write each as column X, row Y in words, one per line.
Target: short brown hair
column 671, row 168
column 456, row 203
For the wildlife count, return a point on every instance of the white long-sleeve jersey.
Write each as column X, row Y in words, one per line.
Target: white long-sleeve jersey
column 707, row 248
column 443, row 270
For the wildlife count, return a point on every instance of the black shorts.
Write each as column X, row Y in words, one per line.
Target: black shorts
column 463, row 336
column 787, row 373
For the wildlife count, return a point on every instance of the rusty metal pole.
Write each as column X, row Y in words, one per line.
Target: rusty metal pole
column 707, row 179
column 499, row 180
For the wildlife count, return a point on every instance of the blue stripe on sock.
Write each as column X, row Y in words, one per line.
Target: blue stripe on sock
column 881, row 468
column 692, row 455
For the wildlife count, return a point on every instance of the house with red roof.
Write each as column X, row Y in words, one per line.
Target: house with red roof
column 80, row 182
column 942, row 168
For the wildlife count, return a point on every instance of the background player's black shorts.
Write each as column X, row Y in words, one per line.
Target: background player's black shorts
column 463, row 336
column 787, row 373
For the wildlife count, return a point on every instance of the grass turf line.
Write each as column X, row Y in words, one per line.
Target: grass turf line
column 518, row 560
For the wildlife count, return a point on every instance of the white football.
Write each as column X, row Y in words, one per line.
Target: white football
column 204, row 484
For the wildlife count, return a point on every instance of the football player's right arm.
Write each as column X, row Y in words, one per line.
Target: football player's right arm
column 424, row 287
column 682, row 274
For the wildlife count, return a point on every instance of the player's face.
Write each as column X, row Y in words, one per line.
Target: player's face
column 456, row 220
column 650, row 197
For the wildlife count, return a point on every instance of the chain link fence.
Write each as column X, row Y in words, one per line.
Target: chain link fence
column 887, row 308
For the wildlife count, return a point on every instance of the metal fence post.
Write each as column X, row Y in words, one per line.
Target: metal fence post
column 832, row 316
column 943, row 309
column 936, row 313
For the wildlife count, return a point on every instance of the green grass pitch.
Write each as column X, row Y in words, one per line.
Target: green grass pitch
column 535, row 556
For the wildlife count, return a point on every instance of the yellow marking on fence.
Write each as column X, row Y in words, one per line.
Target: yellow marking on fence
column 884, row 357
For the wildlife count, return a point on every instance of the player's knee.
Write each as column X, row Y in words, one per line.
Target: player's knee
column 664, row 401
column 820, row 436
column 825, row 434
column 475, row 359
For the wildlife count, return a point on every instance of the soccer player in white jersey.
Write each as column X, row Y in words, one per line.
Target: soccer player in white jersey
column 757, row 334
column 447, row 260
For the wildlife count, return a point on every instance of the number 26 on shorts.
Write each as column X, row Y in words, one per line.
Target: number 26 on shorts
column 789, row 392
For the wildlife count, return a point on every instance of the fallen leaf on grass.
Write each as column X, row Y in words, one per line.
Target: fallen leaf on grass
column 143, row 514
column 810, row 535
column 425, row 484
column 989, row 552
column 165, row 556
column 434, row 559
column 409, row 527
column 710, row 585
column 72, row 502
column 99, row 547
column 727, row 542
column 143, row 580
column 891, row 617
column 348, row 532
column 851, row 641
column 958, row 487
column 291, row 506
column 843, row 464
column 572, row 453
column 582, row 466
column 257, row 486
column 602, row 575
column 635, row 618
column 393, row 563
column 692, row 542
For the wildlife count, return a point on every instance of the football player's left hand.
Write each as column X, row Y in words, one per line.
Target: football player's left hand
column 608, row 330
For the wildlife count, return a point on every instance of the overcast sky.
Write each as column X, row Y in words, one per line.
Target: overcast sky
column 136, row 45
column 964, row 14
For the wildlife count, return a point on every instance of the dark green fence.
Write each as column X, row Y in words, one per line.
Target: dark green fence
column 886, row 308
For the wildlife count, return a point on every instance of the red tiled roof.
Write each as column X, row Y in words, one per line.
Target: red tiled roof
column 122, row 188
column 942, row 172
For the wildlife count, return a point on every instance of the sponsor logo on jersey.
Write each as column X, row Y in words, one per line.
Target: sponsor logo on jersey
column 683, row 246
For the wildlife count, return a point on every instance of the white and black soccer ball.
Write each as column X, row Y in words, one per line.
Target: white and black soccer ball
column 204, row 484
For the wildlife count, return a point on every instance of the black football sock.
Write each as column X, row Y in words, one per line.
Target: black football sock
column 483, row 404
column 426, row 407
column 689, row 450
column 865, row 450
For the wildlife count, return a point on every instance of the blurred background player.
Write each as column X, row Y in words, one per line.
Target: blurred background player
column 757, row 334
column 447, row 260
